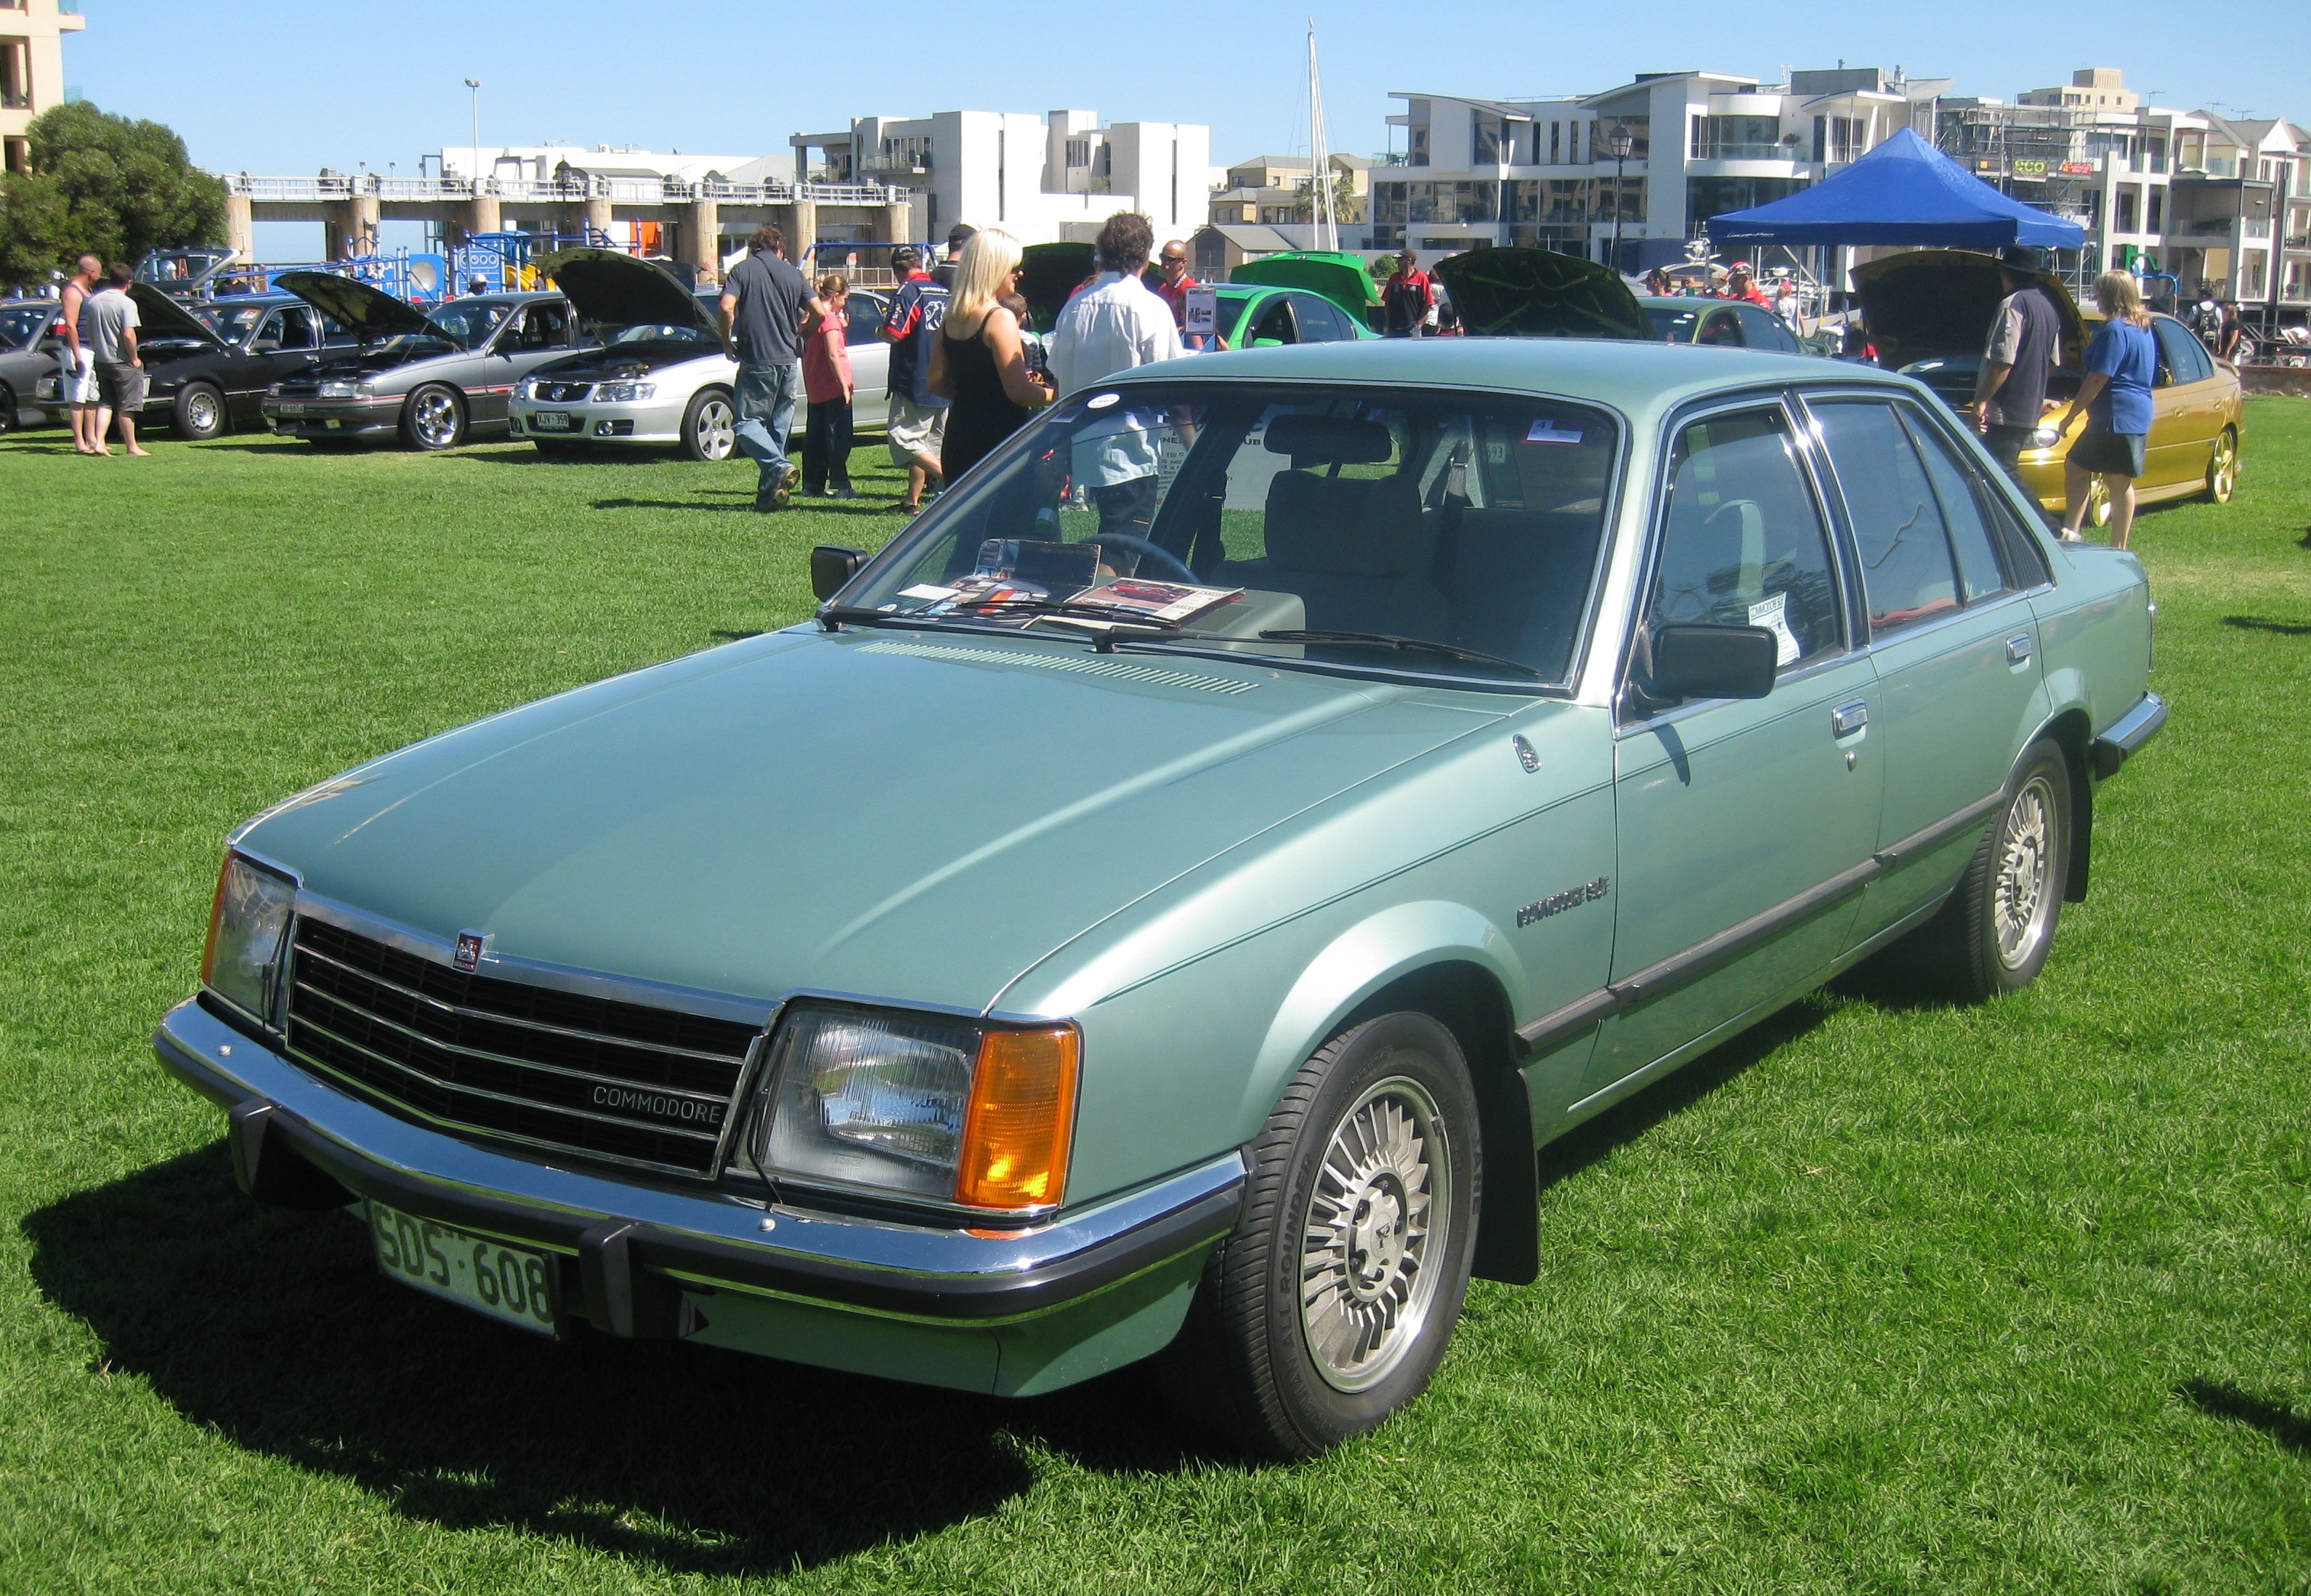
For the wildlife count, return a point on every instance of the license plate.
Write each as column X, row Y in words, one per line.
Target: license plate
column 290, row 407
column 514, row 1283
column 550, row 421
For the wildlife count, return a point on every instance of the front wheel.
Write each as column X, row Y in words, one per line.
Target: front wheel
column 434, row 418
column 1330, row 1305
column 199, row 412
column 709, row 426
column 2222, row 468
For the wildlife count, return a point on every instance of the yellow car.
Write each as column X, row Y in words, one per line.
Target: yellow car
column 1929, row 311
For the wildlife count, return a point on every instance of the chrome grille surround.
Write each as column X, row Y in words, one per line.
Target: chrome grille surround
column 557, row 1063
column 561, row 393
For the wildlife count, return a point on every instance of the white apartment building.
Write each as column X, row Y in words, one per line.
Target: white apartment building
column 1544, row 171
column 31, row 70
column 1044, row 179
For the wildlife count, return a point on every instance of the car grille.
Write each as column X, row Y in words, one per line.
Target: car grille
column 502, row 1058
column 562, row 393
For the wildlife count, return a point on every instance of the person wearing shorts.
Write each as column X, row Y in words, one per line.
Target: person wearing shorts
column 2121, row 362
column 76, row 378
column 109, row 320
column 916, row 428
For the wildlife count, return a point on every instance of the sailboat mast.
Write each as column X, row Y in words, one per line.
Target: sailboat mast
column 1320, row 156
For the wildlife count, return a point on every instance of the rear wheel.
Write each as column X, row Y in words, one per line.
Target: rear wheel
column 1330, row 1305
column 199, row 412
column 709, row 426
column 434, row 418
column 1994, row 934
column 2222, row 468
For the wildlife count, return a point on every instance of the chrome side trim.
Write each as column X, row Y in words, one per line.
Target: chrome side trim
column 2119, row 741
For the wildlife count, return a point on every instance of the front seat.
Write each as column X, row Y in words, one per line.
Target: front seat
column 1351, row 548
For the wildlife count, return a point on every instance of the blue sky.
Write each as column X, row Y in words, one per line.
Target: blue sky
column 274, row 89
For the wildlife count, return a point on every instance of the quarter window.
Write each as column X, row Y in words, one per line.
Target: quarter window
column 1744, row 543
column 2182, row 358
column 1906, row 571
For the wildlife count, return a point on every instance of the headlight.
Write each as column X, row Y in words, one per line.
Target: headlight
column 526, row 388
column 342, row 390
column 48, row 387
column 624, row 393
column 242, row 961
column 918, row 1106
column 2045, row 438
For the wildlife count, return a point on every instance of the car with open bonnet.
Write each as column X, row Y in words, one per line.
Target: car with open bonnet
column 1157, row 907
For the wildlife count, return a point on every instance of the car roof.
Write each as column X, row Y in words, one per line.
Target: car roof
column 1638, row 378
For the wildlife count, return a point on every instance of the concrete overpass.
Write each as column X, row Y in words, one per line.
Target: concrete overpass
column 704, row 221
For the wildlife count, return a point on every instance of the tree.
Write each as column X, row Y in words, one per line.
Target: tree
column 104, row 185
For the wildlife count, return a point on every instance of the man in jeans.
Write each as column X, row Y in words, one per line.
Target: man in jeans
column 108, row 327
column 763, row 300
column 2010, row 396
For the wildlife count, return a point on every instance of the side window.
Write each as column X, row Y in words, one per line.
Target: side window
column 1965, row 501
column 1273, row 320
column 1898, row 525
column 1722, row 330
column 1766, row 330
column 296, row 328
column 865, row 313
column 2182, row 358
column 1743, row 543
column 1319, row 321
column 333, row 334
column 546, row 325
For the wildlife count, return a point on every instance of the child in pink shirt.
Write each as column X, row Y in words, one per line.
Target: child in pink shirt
column 826, row 387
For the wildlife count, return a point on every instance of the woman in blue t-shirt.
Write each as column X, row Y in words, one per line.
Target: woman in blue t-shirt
column 2121, row 362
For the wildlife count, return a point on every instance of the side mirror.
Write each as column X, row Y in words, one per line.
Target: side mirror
column 832, row 569
column 1713, row 662
column 266, row 347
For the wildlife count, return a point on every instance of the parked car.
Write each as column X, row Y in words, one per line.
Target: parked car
column 203, row 377
column 1337, row 276
column 658, row 377
column 1166, row 922
column 1720, row 324
column 1254, row 316
column 29, row 343
column 1929, row 311
column 435, row 379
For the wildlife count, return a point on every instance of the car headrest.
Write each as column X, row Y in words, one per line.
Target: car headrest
column 1330, row 440
column 1344, row 525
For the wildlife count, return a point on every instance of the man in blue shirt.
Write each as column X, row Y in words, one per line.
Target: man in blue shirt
column 2121, row 362
column 762, row 304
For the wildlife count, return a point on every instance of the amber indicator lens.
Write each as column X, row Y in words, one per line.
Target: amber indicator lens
column 1022, row 1112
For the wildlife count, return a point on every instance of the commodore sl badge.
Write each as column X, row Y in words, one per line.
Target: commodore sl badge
column 468, row 957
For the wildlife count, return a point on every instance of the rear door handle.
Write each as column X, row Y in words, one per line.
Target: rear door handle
column 1849, row 718
column 2018, row 648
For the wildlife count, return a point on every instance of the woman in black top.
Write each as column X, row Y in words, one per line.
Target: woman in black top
column 979, row 364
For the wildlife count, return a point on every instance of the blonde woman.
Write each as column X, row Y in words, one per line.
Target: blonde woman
column 979, row 364
column 2121, row 362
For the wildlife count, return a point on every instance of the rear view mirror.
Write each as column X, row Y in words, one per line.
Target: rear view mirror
column 832, row 569
column 1713, row 662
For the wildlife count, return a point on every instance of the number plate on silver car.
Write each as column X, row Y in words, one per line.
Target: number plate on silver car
column 550, row 421
column 515, row 1283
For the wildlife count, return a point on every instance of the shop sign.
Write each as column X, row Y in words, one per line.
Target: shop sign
column 2078, row 168
column 2032, row 169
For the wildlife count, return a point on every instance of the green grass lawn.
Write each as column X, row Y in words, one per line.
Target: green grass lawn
column 1880, row 1297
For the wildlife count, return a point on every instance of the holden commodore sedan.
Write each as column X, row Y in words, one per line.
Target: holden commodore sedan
column 1157, row 906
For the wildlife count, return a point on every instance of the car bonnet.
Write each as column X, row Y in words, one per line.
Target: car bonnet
column 368, row 313
column 1539, row 293
column 899, row 814
column 612, row 288
column 159, row 316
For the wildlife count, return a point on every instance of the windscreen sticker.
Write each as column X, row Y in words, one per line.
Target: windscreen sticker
column 927, row 590
column 1546, row 431
column 1769, row 614
column 1100, row 401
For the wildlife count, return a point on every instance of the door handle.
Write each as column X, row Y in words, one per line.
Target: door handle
column 2018, row 648
column 1848, row 718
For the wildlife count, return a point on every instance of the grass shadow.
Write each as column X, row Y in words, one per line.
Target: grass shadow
column 2262, row 624
column 275, row 1328
column 2220, row 1399
column 747, row 506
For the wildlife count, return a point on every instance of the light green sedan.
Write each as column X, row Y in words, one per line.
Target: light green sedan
column 1157, row 907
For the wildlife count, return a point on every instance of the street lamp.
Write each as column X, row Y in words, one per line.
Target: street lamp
column 1620, row 141
column 474, row 86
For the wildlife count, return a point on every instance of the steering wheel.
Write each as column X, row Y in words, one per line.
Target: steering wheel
column 1178, row 571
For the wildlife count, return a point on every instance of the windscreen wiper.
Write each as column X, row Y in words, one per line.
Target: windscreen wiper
column 1410, row 645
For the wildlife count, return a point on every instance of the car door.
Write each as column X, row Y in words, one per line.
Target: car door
column 2186, row 408
column 1743, row 823
column 1271, row 322
column 535, row 333
column 1317, row 320
column 1765, row 330
column 1954, row 640
column 286, row 342
column 870, row 361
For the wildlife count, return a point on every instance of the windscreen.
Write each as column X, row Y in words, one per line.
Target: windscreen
column 21, row 324
column 1435, row 532
column 233, row 323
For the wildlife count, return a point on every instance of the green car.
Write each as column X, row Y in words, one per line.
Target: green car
column 1254, row 316
column 1157, row 907
column 1303, row 306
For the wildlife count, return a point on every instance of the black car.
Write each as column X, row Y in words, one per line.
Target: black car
column 203, row 380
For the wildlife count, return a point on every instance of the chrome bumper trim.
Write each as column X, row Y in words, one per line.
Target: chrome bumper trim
column 624, row 1230
column 2120, row 740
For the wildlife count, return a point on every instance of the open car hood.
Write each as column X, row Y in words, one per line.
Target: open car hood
column 612, row 290
column 1925, row 303
column 1338, row 276
column 1523, row 293
column 1047, row 273
column 368, row 313
column 159, row 316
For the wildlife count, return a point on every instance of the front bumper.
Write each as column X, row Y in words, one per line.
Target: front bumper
column 1015, row 1314
column 644, row 422
column 334, row 418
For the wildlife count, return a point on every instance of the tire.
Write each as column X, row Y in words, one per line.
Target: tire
column 709, row 426
column 199, row 413
column 1252, row 1364
column 2222, row 468
column 433, row 418
column 7, row 410
column 1995, row 931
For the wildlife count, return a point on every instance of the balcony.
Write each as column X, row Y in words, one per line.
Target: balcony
column 14, row 99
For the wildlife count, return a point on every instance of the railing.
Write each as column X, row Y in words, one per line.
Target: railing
column 621, row 190
column 2257, row 227
column 1733, row 150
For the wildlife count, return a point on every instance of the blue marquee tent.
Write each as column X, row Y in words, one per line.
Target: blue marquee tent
column 1903, row 192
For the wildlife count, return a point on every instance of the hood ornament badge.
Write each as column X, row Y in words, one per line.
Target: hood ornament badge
column 468, row 957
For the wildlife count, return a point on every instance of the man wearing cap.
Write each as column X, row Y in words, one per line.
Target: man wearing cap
column 1740, row 284
column 2010, row 396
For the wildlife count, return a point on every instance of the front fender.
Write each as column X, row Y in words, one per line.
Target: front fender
column 1372, row 954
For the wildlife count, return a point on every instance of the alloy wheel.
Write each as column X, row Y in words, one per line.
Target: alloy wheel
column 2222, row 471
column 2021, row 905
column 433, row 417
column 1373, row 1227
column 202, row 411
column 717, row 430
